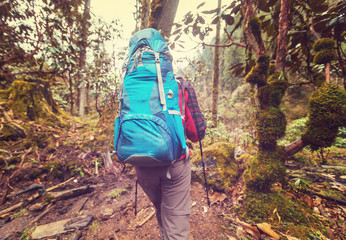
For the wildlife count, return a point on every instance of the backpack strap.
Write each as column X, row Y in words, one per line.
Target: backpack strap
column 160, row 82
column 121, row 84
column 180, row 84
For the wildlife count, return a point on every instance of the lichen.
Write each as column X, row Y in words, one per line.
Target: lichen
column 327, row 107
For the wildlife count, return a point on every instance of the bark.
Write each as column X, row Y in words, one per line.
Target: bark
column 166, row 19
column 215, row 90
column 282, row 38
column 294, row 147
column 84, row 36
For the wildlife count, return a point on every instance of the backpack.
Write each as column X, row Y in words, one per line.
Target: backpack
column 149, row 129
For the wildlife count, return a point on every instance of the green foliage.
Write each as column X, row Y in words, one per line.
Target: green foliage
column 327, row 114
column 21, row 213
column 341, row 141
column 294, row 131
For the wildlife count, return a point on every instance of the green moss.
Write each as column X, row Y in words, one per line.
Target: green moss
column 259, row 207
column 270, row 126
column 271, row 94
column 227, row 169
column 324, row 56
column 263, row 170
column 327, row 108
column 259, row 73
column 323, row 44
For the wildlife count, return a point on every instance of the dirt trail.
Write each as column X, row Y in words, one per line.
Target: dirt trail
column 112, row 206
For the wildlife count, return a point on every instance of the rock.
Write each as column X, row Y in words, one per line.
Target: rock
column 106, row 213
column 62, row 226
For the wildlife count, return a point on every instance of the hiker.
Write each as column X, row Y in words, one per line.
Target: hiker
column 168, row 188
column 155, row 111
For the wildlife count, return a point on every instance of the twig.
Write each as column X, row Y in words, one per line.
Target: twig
column 343, row 202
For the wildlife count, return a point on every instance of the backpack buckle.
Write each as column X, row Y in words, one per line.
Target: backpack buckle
column 157, row 58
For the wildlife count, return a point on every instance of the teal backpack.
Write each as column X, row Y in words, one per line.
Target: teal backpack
column 148, row 130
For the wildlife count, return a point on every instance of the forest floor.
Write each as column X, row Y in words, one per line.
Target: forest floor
column 96, row 204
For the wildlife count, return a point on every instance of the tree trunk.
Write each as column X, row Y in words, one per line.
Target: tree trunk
column 145, row 13
column 162, row 14
column 84, row 43
column 71, row 93
column 166, row 18
column 282, row 38
column 215, row 90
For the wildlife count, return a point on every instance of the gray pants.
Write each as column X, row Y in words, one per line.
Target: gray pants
column 169, row 190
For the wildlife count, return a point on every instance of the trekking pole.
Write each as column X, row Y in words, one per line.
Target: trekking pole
column 136, row 193
column 205, row 178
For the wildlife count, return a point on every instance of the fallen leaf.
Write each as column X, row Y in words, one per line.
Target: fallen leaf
column 266, row 228
column 218, row 197
column 252, row 230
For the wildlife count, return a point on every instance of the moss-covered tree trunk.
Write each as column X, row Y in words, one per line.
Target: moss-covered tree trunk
column 267, row 167
column 215, row 90
column 145, row 10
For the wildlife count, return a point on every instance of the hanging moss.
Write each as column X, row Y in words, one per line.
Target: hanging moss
column 324, row 56
column 324, row 44
column 270, row 126
column 319, row 79
column 327, row 108
column 264, row 170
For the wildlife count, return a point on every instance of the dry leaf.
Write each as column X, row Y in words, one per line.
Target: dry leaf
column 252, row 230
column 266, row 228
column 277, row 214
column 218, row 197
